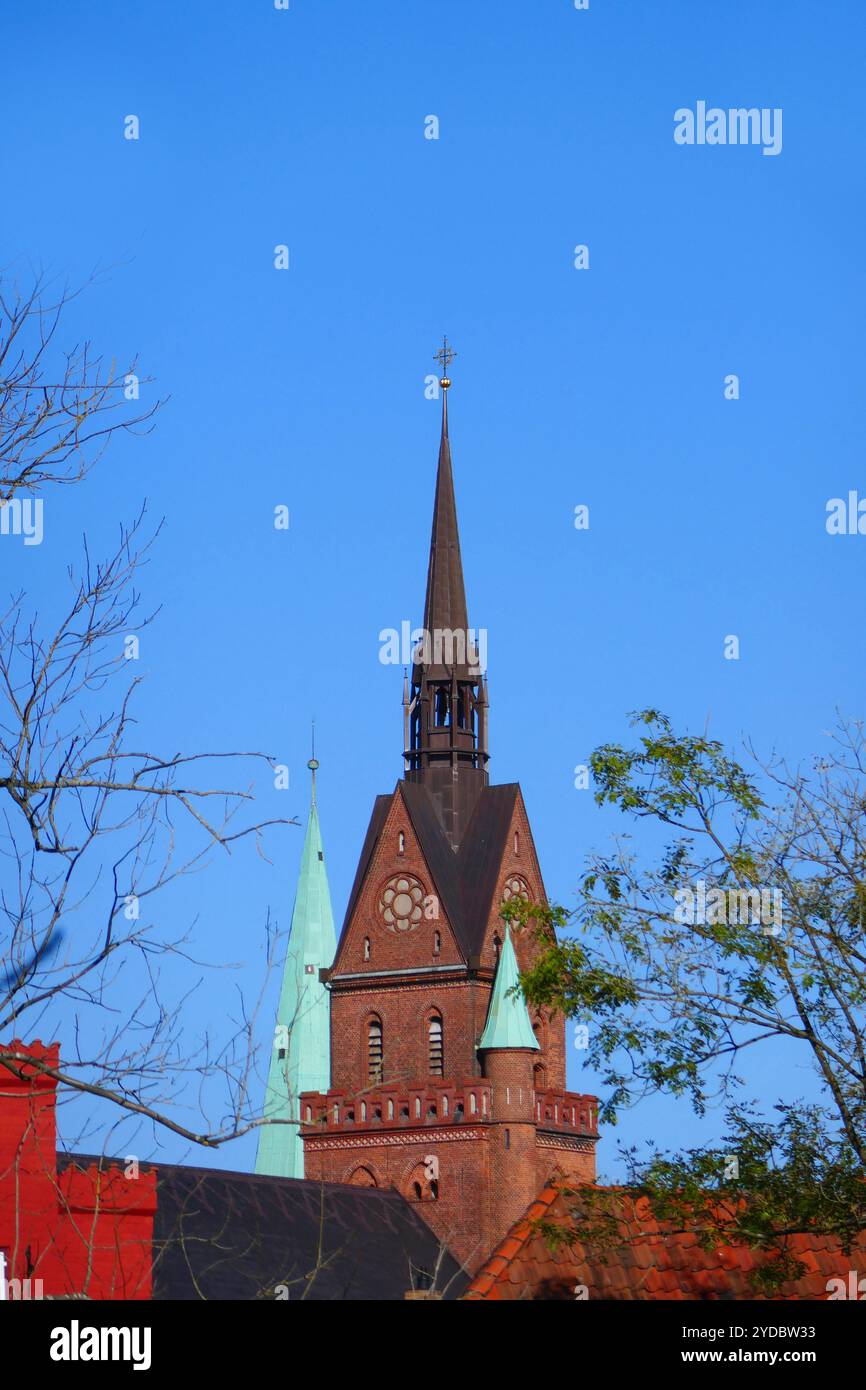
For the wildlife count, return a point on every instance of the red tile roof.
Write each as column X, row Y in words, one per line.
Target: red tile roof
column 651, row 1263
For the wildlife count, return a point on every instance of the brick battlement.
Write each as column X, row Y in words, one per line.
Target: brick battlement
column 396, row 1106
column 567, row 1111
column 437, row 1103
column 23, row 1063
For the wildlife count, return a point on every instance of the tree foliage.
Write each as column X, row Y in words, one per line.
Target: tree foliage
column 745, row 929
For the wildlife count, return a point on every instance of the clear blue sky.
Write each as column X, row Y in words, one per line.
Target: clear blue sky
column 602, row 387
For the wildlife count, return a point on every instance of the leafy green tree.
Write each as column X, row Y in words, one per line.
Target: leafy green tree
column 743, row 927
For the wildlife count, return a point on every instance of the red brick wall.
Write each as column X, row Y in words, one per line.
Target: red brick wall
column 460, row 1214
column 77, row 1232
column 103, row 1241
column 28, row 1196
column 404, row 1009
column 556, row 1160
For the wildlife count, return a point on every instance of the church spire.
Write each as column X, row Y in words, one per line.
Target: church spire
column 446, row 713
column 300, row 1048
column 445, row 602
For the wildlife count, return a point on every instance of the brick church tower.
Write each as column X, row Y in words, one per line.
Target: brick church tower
column 443, row 1086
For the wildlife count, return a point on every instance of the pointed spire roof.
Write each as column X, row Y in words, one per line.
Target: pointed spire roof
column 301, row 1057
column 445, row 603
column 508, row 1022
column 312, row 933
column 445, row 719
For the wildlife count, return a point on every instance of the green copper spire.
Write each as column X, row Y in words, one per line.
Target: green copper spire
column 300, row 1055
column 508, row 1022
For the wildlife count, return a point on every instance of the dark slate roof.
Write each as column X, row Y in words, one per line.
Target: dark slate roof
column 237, row 1236
column 480, row 856
column 381, row 807
column 466, row 881
column 444, row 864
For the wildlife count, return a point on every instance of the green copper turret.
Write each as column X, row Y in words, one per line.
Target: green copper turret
column 508, row 1022
column 300, row 1048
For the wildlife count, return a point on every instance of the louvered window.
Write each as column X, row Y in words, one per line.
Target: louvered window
column 436, row 1055
column 375, row 1060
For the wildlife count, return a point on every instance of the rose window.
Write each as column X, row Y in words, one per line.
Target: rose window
column 515, row 888
column 401, row 903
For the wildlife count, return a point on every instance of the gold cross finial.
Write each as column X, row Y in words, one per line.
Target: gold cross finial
column 445, row 356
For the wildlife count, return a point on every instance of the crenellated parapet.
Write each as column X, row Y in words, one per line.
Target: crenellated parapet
column 403, row 1106
column 397, row 1106
column 28, row 1064
column 567, row 1111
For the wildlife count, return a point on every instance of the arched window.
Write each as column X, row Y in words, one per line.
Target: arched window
column 441, row 707
column 516, row 842
column 362, row 1177
column 497, row 946
column 437, row 942
column 539, row 1077
column 435, row 1049
column 375, row 1055
column 421, row 1185
column 401, row 843
column 366, row 948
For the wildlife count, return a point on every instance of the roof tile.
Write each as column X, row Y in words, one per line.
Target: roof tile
column 651, row 1263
